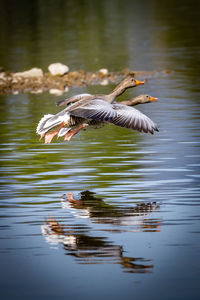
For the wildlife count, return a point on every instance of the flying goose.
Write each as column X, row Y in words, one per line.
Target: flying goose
column 89, row 111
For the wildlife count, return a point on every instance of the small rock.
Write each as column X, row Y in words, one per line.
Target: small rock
column 14, row 80
column 15, row 92
column 66, row 89
column 34, row 72
column 104, row 82
column 55, row 92
column 2, row 75
column 103, row 71
column 58, row 69
column 38, row 91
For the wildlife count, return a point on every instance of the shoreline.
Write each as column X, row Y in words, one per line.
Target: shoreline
column 24, row 82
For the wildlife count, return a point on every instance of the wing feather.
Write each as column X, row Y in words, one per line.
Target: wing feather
column 96, row 109
column 132, row 118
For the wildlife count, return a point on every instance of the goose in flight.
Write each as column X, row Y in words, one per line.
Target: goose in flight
column 89, row 111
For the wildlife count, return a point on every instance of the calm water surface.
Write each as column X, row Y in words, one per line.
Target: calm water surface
column 113, row 214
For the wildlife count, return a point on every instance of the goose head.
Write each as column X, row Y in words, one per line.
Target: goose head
column 125, row 84
column 130, row 82
column 145, row 99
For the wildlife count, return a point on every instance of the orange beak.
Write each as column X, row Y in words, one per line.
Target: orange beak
column 139, row 82
column 152, row 99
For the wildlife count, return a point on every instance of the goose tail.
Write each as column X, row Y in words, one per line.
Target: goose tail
column 49, row 121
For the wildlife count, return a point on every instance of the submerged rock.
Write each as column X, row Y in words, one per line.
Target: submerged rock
column 66, row 89
column 104, row 82
column 15, row 92
column 56, row 92
column 58, row 69
column 38, row 91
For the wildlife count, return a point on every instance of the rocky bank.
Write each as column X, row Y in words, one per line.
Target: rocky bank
column 36, row 81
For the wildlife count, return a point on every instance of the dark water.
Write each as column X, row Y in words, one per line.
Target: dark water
column 113, row 214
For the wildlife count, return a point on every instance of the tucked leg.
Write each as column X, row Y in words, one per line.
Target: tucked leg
column 50, row 135
column 71, row 133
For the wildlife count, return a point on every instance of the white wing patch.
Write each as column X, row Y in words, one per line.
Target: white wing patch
column 63, row 131
column 41, row 123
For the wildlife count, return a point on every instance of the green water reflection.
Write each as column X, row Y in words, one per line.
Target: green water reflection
column 84, row 33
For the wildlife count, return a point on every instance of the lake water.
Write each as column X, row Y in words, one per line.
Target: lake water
column 114, row 214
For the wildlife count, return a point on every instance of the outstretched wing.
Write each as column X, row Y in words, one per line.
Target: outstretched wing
column 73, row 99
column 96, row 109
column 132, row 118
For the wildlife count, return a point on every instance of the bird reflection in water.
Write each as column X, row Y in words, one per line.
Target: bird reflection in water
column 90, row 206
column 90, row 249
